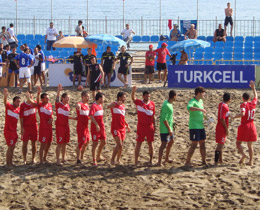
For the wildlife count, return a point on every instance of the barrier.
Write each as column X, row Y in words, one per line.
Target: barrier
column 3, row 82
column 63, row 74
column 210, row 76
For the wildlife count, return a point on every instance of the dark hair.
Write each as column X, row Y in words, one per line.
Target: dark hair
column 80, row 21
column 13, row 47
column 51, row 23
column 146, row 92
column 99, row 95
column 39, row 47
column 64, row 95
column 246, row 96
column 120, row 94
column 172, row 93
column 15, row 98
column 25, row 49
column 25, row 44
column 226, row 97
column 108, row 47
column 3, row 27
column 11, row 25
column 199, row 90
column 43, row 95
column 84, row 93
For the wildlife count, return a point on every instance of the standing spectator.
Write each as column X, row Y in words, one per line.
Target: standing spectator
column 87, row 62
column 228, row 19
column 85, row 34
column 107, row 61
column 175, row 33
column 12, row 67
column 51, row 34
column 127, row 35
column 78, row 29
column 60, row 36
column 184, row 58
column 191, row 33
column 37, row 66
column 13, row 41
column 220, row 34
column 42, row 63
column 149, row 64
column 1, row 64
column 78, row 59
column 4, row 36
column 6, row 52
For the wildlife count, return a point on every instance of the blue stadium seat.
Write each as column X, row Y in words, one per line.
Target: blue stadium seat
column 257, row 39
column 20, row 37
column 155, row 38
column 248, row 56
column 208, row 56
column 209, row 50
column 249, row 39
column 227, row 56
column 228, row 49
column 39, row 37
column 229, row 38
column 55, row 54
column 248, row 50
column 238, row 56
column 201, row 38
column 239, row 39
column 257, row 56
column 29, row 37
column 257, row 50
column 238, row 50
column 171, row 43
column 249, row 44
column 137, row 38
column 229, row 43
column 216, row 50
column 238, row 44
column 201, row 49
column 119, row 37
column 209, row 38
column 198, row 56
column 218, row 56
column 146, row 38
column 219, row 44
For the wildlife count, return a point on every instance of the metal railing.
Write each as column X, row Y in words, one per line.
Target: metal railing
column 114, row 26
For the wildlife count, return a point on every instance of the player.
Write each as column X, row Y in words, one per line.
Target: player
column 29, row 128
column 87, row 62
column 146, row 123
column 107, row 61
column 222, row 127
column 12, row 112
column 247, row 131
column 118, row 125
column 78, row 59
column 97, row 127
column 45, row 129
column 82, row 109
column 12, row 67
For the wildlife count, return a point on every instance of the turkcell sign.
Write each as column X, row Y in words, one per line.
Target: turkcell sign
column 210, row 76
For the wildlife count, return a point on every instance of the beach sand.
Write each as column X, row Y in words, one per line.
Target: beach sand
column 71, row 186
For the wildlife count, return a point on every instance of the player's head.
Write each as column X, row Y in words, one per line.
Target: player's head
column 99, row 97
column 44, row 98
column 199, row 92
column 26, row 50
column 151, row 47
column 226, row 97
column 192, row 26
column 3, row 28
column 16, row 101
column 172, row 95
column 11, row 25
column 228, row 4
column 121, row 96
column 22, row 47
column 93, row 59
column 13, row 48
column 36, row 50
column 60, row 32
column 108, row 49
column 89, row 51
column 123, row 49
column 80, row 22
column 39, row 47
column 65, row 98
column 146, row 95
column 7, row 47
column 245, row 97
column 31, row 94
column 84, row 96
column 164, row 45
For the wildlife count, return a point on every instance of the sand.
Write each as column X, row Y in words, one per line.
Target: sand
column 71, row 186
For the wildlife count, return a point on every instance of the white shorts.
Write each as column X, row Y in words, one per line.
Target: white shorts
column 1, row 71
column 43, row 67
column 24, row 72
column 32, row 70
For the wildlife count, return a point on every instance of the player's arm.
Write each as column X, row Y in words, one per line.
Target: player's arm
column 45, row 38
column 133, row 93
column 110, row 106
column 128, row 128
column 39, row 90
column 193, row 109
column 102, row 73
column 252, row 85
column 5, row 96
column 223, row 122
column 164, row 115
column 58, row 93
column 28, row 98
column 95, row 122
column 21, row 124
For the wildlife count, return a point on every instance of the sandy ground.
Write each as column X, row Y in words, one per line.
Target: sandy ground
column 230, row 186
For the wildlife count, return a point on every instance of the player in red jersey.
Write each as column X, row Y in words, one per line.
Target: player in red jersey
column 62, row 124
column 82, row 109
column 97, row 127
column 146, row 123
column 118, row 125
column 45, row 129
column 247, row 131
column 29, row 128
column 222, row 127
column 12, row 112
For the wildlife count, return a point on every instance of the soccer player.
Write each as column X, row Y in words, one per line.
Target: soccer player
column 82, row 109
column 146, row 123
column 107, row 61
column 12, row 112
column 97, row 127
column 118, row 125
column 29, row 128
column 78, row 59
column 166, row 127
column 247, row 131
column 149, row 64
column 45, row 131
column 222, row 127
column 12, row 67
column 196, row 127
column 87, row 62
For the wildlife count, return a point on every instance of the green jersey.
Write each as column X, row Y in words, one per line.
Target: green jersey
column 166, row 114
column 196, row 117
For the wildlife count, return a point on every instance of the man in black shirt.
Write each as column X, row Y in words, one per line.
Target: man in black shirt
column 123, row 56
column 78, row 59
column 107, row 61
column 220, row 34
column 12, row 67
column 87, row 62
column 95, row 76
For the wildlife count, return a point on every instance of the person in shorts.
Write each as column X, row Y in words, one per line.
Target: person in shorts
column 1, row 64
column 166, row 128
column 107, row 61
column 43, row 65
column 149, row 64
column 12, row 67
column 37, row 66
column 78, row 60
column 247, row 131
column 95, row 76
column 87, row 63
column 228, row 19
column 196, row 126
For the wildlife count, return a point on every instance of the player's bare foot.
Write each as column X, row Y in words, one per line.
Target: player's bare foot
column 159, row 164
column 118, row 162
column 112, row 162
column 64, row 161
column 168, row 161
column 59, row 163
column 100, row 159
column 242, row 159
column 249, row 164
column 25, row 162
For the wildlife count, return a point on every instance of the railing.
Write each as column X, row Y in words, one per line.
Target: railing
column 114, row 26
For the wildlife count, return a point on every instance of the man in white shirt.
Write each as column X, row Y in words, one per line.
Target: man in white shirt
column 127, row 35
column 4, row 36
column 78, row 29
column 13, row 42
column 51, row 34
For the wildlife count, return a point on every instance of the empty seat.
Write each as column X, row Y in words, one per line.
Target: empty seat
column 238, row 56
column 230, row 38
column 201, row 38
column 238, row 50
column 201, row 49
column 238, row 44
column 257, row 39
column 38, row 37
column 228, row 49
column 257, row 56
column 216, row 50
column 248, row 56
column 155, row 38
column 171, row 43
column 198, row 56
column 119, row 36
column 20, row 37
column 209, row 50
column 137, row 38
column 29, row 37
column 249, row 39
column 145, row 38
column 219, row 44
column 227, row 56
column 249, row 44
column 229, row 43
column 239, row 39
column 248, row 50
column 208, row 56
column 218, row 56
column 209, row 38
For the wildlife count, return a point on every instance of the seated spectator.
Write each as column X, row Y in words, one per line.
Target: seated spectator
column 78, row 28
column 175, row 33
column 184, row 58
column 191, row 33
column 220, row 34
column 60, row 36
column 85, row 34
column 127, row 35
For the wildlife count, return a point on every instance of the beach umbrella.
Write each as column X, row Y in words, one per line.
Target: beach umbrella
column 73, row 42
column 189, row 44
column 105, row 40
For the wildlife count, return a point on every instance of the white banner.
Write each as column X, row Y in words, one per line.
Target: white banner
column 63, row 74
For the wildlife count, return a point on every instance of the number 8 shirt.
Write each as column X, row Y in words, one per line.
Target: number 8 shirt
column 247, row 130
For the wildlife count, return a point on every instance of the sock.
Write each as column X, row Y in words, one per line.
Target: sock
column 217, row 153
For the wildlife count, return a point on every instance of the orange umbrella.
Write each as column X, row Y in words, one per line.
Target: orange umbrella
column 74, row 42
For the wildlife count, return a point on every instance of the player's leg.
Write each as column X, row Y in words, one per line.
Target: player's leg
column 83, row 149
column 168, row 149
column 34, row 149
column 190, row 152
column 42, row 147
column 164, row 74
column 100, row 148
column 161, row 149
column 119, row 76
column 251, row 152
column 150, row 146
column 9, row 77
column 203, row 151
column 159, row 76
column 109, row 79
column 119, row 153
column 116, row 149
column 24, row 151
column 94, row 146
column 9, row 155
column 137, row 151
column 150, row 77
column 93, row 95
column 43, row 76
column 46, row 150
column 218, row 154
column 63, row 152
column 73, row 79
column 241, row 151
column 125, row 80
column 58, row 149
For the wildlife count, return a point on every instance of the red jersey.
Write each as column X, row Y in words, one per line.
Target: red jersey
column 162, row 53
column 145, row 112
column 45, row 113
column 223, row 113
column 249, row 109
column 97, row 112
column 118, row 117
column 150, row 62
column 62, row 113
column 83, row 116
column 28, row 113
column 11, row 117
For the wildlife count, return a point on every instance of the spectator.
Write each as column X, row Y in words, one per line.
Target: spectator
column 37, row 66
column 4, row 52
column 78, row 60
column 175, row 33
column 4, row 36
column 107, row 61
column 60, row 36
column 220, row 34
column 228, row 19
column 13, row 41
column 149, row 64
column 1, row 64
column 79, row 30
column 51, row 34
column 191, row 33
column 184, row 58
column 85, row 34
column 87, row 63
column 12, row 67
column 127, row 35
column 42, row 63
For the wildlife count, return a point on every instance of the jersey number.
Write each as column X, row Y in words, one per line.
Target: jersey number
column 251, row 114
column 23, row 61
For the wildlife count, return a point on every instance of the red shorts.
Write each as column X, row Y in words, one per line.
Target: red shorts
column 145, row 131
column 120, row 133
column 62, row 134
column 220, row 135
column 98, row 135
column 83, row 137
column 45, row 135
column 10, row 137
column 247, row 132
column 30, row 133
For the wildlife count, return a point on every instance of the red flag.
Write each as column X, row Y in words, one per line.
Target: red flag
column 170, row 24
